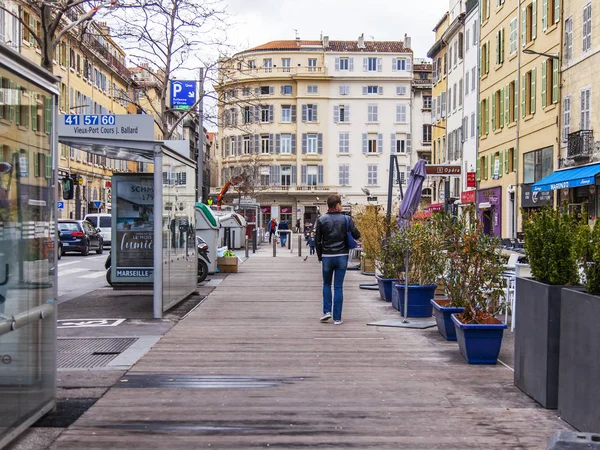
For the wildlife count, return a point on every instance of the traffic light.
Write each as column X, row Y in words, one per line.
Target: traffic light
column 68, row 188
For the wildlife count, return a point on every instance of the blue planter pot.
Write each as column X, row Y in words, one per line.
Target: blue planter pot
column 479, row 343
column 386, row 286
column 418, row 299
column 443, row 318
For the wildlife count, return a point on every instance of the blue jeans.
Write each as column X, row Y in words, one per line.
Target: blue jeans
column 334, row 268
column 283, row 238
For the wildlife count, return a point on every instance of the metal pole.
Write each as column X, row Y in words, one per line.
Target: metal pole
column 274, row 245
column 200, row 157
column 254, row 238
column 299, row 245
column 390, row 187
column 247, row 247
column 158, row 244
column 405, row 320
column 290, row 241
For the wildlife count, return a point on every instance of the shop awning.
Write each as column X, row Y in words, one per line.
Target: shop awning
column 568, row 178
column 436, row 207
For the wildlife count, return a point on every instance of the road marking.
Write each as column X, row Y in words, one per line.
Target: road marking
column 87, row 323
column 71, row 271
column 93, row 275
column 79, row 261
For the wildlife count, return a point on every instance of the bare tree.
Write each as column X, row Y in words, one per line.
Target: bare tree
column 251, row 171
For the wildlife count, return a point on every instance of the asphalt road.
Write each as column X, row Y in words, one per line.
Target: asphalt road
column 78, row 275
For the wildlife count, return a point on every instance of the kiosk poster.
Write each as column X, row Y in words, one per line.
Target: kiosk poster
column 134, row 254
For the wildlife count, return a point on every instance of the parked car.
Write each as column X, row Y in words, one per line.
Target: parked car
column 79, row 236
column 102, row 221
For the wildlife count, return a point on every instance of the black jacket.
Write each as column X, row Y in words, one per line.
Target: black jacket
column 330, row 234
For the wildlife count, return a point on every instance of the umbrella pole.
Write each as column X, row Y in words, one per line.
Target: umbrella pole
column 405, row 320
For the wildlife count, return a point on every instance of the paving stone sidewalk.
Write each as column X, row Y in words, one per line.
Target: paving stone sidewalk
column 252, row 367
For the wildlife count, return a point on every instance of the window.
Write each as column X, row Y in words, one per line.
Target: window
column 427, row 134
column 401, row 64
column 373, row 90
column 312, row 89
column 467, row 84
column 372, row 142
column 341, row 113
column 529, row 25
column 485, row 10
column 568, row 50
column 537, row 165
column 427, row 101
column 450, row 57
column 268, row 64
column 344, row 89
column 286, row 90
column 312, row 64
column 251, row 64
column 454, row 94
column 473, row 127
column 401, row 114
column 246, row 145
column 264, row 114
column 566, row 118
column 465, row 129
column 264, row 144
column 473, row 79
column 461, row 45
column 344, row 142
column 309, row 113
column 512, row 102
column 247, row 115
column 549, row 82
column 528, row 93
column 311, row 175
column 286, row 175
column 484, row 117
column 286, row 144
column 265, row 90
column 498, row 110
column 311, row 141
column 286, row 113
column 460, row 92
column 265, row 178
column 587, row 27
column 246, row 92
column 231, row 147
column 467, row 40
column 344, row 63
column 586, row 97
column 475, row 25
column 513, row 36
column 286, row 63
column 500, row 46
column 344, row 174
column 455, row 53
column 400, row 90
column 372, row 175
column 371, row 64
column 449, row 100
column 443, row 104
column 550, row 13
column 372, row 113
column 485, row 58
column 400, row 144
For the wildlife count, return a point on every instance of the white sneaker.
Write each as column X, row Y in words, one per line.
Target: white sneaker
column 326, row 317
column 338, row 322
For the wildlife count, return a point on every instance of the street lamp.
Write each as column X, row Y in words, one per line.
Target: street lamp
column 528, row 51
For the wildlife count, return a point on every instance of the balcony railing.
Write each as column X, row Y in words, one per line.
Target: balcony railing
column 580, row 145
column 102, row 51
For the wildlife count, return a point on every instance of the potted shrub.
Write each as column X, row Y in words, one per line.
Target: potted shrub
column 455, row 267
column 228, row 263
column 579, row 365
column 479, row 288
column 423, row 243
column 370, row 221
column 389, row 265
column 549, row 246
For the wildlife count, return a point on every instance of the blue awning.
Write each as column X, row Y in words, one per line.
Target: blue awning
column 567, row 179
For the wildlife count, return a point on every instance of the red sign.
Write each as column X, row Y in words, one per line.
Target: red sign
column 265, row 209
column 436, row 207
column 286, row 210
column 471, row 179
column 442, row 169
column 467, row 197
column 108, row 184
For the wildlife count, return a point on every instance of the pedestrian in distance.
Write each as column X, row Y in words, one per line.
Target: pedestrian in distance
column 297, row 225
column 271, row 228
column 331, row 243
column 311, row 243
column 283, row 236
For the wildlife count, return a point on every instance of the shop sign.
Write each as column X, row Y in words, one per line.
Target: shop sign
column 265, row 209
column 496, row 168
column 530, row 199
column 286, row 210
column 442, row 169
column 137, row 127
column 490, row 195
column 471, row 179
column 467, row 197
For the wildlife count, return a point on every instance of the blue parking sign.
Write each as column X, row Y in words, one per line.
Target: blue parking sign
column 60, row 205
column 183, row 94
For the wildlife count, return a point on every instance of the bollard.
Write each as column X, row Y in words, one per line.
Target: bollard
column 247, row 246
column 274, row 246
column 254, row 238
column 290, row 241
column 299, row 245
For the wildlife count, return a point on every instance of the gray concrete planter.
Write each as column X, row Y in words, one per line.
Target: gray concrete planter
column 537, row 340
column 579, row 365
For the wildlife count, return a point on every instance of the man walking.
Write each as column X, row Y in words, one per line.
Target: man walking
column 332, row 250
column 283, row 236
column 271, row 228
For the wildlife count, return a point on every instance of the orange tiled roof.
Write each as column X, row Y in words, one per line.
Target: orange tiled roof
column 283, row 45
column 370, row 46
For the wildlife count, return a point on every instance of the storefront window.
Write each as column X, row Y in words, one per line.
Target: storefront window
column 27, row 256
column 537, row 165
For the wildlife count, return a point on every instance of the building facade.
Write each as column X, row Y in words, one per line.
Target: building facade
column 421, row 117
column 304, row 119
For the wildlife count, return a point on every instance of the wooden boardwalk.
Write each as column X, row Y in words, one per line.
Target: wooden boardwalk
column 252, row 367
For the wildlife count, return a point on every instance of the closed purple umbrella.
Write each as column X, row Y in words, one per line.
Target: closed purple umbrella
column 412, row 197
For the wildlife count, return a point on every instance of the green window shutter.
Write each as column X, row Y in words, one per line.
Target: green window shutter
column 523, row 94
column 515, row 156
column 481, row 61
column 555, row 81
column 498, row 47
column 487, row 9
column 487, row 116
column 11, row 106
column 34, row 122
column 534, row 20
column 500, row 171
column 493, row 118
column 501, row 113
column 34, row 28
column 524, row 26
column 47, row 114
column 26, row 109
column 545, row 14
column 4, row 99
column 487, row 57
column 36, row 164
column 507, row 104
column 533, row 71
column 478, row 170
column 485, row 168
column 48, row 161
column 556, row 11
column 506, row 161
column 479, row 130
column 516, row 99
column 544, row 78
column 18, row 105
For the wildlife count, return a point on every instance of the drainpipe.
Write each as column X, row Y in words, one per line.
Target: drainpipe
column 518, row 120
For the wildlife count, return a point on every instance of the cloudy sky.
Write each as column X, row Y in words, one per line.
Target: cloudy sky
column 260, row 21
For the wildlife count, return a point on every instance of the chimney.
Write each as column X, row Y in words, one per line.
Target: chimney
column 298, row 41
column 361, row 41
column 407, row 41
column 325, row 41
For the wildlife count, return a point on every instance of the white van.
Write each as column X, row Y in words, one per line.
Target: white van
column 102, row 221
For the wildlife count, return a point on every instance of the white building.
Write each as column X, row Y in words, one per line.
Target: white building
column 470, row 102
column 421, row 116
column 369, row 114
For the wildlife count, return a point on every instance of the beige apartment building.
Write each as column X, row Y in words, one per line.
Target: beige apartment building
column 518, row 109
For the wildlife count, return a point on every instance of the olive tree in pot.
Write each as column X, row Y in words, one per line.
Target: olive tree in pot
column 549, row 245
column 390, row 263
column 420, row 243
column 579, row 364
column 477, row 285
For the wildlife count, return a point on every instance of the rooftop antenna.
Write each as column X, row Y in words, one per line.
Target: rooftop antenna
column 372, row 38
column 297, row 34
